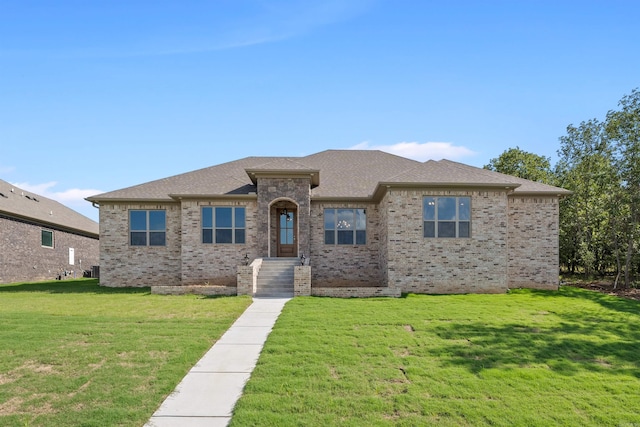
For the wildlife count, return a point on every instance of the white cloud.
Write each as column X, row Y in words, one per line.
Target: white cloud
column 421, row 151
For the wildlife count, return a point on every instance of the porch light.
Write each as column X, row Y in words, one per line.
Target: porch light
column 302, row 259
column 246, row 259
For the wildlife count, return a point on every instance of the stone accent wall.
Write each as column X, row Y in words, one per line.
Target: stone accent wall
column 211, row 264
column 345, row 265
column 533, row 242
column 194, row 289
column 270, row 190
column 447, row 265
column 124, row 265
column 356, row 292
column 23, row 259
column 301, row 280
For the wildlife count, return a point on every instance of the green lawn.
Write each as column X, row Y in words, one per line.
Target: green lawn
column 527, row 358
column 76, row 354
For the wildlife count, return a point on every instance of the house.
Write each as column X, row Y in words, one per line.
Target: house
column 355, row 223
column 41, row 239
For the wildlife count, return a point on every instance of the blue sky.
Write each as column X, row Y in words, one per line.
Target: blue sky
column 101, row 95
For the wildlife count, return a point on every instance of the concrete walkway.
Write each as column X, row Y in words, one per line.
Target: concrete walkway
column 207, row 394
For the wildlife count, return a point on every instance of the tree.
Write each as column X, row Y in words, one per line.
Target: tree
column 623, row 128
column 523, row 164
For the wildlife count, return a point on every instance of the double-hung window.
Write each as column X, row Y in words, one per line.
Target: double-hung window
column 46, row 239
column 147, row 227
column 223, row 224
column 447, row 216
column 345, row 226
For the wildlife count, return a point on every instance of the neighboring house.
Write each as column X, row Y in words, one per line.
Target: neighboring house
column 40, row 238
column 366, row 223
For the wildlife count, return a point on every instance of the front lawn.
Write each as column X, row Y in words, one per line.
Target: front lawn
column 527, row 358
column 76, row 354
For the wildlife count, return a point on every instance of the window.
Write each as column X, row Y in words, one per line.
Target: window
column 447, row 216
column 47, row 239
column 223, row 225
column 147, row 228
column 345, row 226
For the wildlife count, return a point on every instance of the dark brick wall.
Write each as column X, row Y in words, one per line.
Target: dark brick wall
column 23, row 259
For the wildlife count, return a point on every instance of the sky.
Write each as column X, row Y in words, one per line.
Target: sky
column 99, row 95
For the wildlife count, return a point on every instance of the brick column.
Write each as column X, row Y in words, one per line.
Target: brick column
column 302, row 281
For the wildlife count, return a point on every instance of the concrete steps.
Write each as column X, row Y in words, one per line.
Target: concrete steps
column 275, row 278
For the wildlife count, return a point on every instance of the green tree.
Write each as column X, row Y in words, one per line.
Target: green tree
column 623, row 129
column 523, row 164
column 586, row 168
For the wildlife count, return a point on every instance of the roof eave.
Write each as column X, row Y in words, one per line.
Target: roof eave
column 382, row 187
column 128, row 200
column 248, row 196
column 561, row 193
column 51, row 224
column 313, row 174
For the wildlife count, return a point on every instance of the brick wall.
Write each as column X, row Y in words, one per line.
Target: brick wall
column 447, row 265
column 214, row 264
column 124, row 265
column 23, row 259
column 270, row 190
column 345, row 265
column 533, row 242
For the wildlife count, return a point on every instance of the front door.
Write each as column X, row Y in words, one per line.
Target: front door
column 287, row 233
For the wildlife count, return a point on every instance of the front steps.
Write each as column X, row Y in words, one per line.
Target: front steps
column 275, row 278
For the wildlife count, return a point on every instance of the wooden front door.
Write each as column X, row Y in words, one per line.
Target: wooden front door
column 287, row 246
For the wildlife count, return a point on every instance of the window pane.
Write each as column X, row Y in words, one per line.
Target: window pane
column 223, row 217
column 138, row 220
column 239, row 213
column 207, row 236
column 240, row 236
column 345, row 219
column 361, row 237
column 224, row 235
column 429, row 229
column 329, row 237
column 464, row 209
column 138, row 238
column 283, row 221
column 283, row 236
column 207, row 217
column 329, row 219
column 429, row 208
column 157, row 220
column 446, row 229
column 446, row 209
column 463, row 229
column 156, row 238
column 47, row 238
column 345, row 237
column 361, row 219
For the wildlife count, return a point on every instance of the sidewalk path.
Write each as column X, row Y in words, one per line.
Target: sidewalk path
column 207, row 394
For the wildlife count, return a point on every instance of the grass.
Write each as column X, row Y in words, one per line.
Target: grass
column 527, row 358
column 76, row 354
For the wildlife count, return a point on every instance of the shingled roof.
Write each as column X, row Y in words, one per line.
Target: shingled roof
column 336, row 174
column 26, row 206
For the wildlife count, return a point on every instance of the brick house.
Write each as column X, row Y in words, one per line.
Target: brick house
column 355, row 223
column 40, row 238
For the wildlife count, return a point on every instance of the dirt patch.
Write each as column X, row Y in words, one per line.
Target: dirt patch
column 11, row 406
column 409, row 328
column 607, row 288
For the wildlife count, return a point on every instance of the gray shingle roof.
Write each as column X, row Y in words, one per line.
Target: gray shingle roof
column 354, row 174
column 25, row 205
